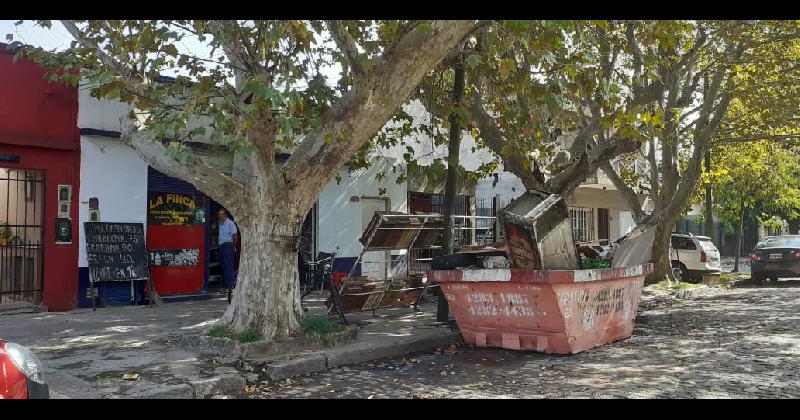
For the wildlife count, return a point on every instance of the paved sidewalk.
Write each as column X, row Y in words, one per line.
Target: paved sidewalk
column 86, row 353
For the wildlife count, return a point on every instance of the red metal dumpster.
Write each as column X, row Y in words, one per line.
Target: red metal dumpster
column 550, row 311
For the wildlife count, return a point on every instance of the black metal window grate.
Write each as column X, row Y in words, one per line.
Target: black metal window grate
column 21, row 235
column 582, row 219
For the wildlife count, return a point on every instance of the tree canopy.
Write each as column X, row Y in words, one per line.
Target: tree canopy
column 263, row 88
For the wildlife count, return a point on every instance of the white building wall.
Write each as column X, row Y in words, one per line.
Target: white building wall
column 99, row 114
column 340, row 220
column 114, row 173
column 626, row 223
column 508, row 188
column 425, row 151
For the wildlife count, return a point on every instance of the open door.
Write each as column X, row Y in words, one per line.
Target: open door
column 602, row 225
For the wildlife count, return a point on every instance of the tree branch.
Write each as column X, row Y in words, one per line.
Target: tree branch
column 756, row 137
column 513, row 161
column 362, row 111
column 688, row 182
column 217, row 185
column 654, row 178
column 630, row 196
column 235, row 52
column 636, row 52
column 132, row 80
column 568, row 179
column 346, row 44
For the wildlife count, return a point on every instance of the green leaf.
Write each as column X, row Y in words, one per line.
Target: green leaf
column 474, row 61
column 506, row 67
column 170, row 49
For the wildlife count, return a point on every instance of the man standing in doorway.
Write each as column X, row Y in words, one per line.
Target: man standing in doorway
column 228, row 237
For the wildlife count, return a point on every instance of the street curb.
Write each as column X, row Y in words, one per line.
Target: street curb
column 225, row 384
column 23, row 309
column 295, row 367
column 329, row 359
column 66, row 386
column 163, row 392
column 232, row 349
column 55, row 395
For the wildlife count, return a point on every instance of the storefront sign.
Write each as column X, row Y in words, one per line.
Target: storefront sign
column 171, row 209
column 116, row 251
column 174, row 257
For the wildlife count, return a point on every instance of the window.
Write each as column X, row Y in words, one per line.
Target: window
column 780, row 242
column 707, row 244
column 683, row 243
column 582, row 219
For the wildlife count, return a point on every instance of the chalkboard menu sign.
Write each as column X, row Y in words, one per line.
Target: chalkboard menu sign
column 172, row 209
column 116, row 251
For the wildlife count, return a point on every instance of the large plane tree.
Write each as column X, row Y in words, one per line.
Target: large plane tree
column 262, row 89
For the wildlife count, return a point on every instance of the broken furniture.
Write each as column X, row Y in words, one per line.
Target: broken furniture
column 389, row 231
column 637, row 248
column 539, row 232
column 469, row 257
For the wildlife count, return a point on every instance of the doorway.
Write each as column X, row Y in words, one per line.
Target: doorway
column 602, row 225
column 21, row 236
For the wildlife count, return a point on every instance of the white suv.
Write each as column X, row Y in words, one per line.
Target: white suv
column 693, row 256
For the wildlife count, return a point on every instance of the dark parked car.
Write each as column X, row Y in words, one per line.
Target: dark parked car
column 777, row 256
column 21, row 373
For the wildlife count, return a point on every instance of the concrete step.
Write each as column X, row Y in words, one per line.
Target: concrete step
column 22, row 308
column 355, row 353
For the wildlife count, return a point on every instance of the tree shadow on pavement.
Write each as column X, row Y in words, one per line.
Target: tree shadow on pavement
column 729, row 344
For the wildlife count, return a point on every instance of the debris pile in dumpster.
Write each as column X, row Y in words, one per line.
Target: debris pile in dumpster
column 539, row 232
column 550, row 295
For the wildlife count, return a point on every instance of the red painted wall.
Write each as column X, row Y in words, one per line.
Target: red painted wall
column 39, row 122
column 172, row 280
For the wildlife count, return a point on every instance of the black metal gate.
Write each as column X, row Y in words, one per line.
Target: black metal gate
column 21, row 235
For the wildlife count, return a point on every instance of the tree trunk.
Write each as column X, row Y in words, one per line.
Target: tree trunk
column 739, row 237
column 451, row 184
column 660, row 253
column 709, row 203
column 794, row 227
column 267, row 294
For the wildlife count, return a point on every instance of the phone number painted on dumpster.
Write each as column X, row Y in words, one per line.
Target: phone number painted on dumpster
column 506, row 304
